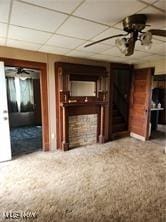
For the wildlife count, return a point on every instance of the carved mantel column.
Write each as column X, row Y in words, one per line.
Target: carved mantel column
column 101, row 135
column 65, row 141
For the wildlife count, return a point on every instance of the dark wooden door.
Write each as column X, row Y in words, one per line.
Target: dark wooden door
column 140, row 103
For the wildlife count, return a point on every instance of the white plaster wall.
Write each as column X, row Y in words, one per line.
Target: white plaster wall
column 159, row 65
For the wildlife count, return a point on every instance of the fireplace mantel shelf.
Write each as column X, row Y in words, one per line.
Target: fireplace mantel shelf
column 96, row 103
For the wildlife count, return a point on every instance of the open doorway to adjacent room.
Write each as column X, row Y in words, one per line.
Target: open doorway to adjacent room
column 158, row 110
column 24, row 108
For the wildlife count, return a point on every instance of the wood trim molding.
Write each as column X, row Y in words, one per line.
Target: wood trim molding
column 67, row 105
column 42, row 67
column 136, row 136
column 149, row 99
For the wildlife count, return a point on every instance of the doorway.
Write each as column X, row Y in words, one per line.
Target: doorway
column 42, row 68
column 24, row 109
column 120, row 84
column 158, row 110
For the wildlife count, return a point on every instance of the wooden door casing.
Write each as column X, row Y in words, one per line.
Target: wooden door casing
column 42, row 67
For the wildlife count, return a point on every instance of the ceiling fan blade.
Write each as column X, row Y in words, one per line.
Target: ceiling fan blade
column 131, row 46
column 158, row 32
column 25, row 72
column 101, row 40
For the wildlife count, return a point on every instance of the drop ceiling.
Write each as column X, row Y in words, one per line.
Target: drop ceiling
column 65, row 26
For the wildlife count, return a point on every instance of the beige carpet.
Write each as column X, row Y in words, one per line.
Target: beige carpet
column 119, row 181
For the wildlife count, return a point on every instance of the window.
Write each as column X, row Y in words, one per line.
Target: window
column 20, row 94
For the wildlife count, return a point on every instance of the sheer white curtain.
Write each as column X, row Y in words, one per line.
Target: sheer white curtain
column 11, row 95
column 20, row 94
column 26, row 95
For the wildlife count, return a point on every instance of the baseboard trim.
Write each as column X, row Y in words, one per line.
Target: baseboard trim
column 137, row 136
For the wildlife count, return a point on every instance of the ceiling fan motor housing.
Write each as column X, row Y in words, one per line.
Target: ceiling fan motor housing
column 135, row 22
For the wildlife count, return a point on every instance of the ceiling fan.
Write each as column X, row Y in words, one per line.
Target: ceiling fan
column 133, row 25
column 22, row 73
column 20, row 70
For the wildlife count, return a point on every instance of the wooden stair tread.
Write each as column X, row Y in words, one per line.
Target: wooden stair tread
column 121, row 134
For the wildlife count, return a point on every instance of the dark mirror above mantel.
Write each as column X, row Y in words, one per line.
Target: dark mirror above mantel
column 82, row 88
column 81, row 83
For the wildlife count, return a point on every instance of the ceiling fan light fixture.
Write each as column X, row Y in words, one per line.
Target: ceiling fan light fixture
column 122, row 45
column 23, row 77
column 133, row 25
column 146, row 40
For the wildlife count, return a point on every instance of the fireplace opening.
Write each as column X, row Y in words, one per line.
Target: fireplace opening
column 82, row 130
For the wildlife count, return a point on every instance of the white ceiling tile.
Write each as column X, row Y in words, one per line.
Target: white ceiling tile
column 4, row 10
column 123, row 60
column 66, row 42
column 158, row 49
column 97, row 48
column 81, row 54
column 3, row 30
column 54, row 49
column 80, row 28
column 109, row 58
column 114, row 51
column 23, row 44
column 155, row 18
column 161, row 4
column 139, row 54
column 159, row 38
column 151, row 58
column 34, row 17
column 28, row 35
column 105, row 57
column 149, row 1
column 133, row 61
column 2, row 41
column 107, row 33
column 119, row 25
column 107, row 11
column 60, row 5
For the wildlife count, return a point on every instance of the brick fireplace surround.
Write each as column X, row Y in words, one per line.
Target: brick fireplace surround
column 82, row 130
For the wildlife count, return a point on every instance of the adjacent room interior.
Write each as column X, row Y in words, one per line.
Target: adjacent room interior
column 24, row 108
column 158, row 107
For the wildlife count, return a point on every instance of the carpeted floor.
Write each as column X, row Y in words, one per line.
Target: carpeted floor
column 25, row 139
column 120, row 181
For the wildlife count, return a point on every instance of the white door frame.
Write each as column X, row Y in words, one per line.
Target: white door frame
column 5, row 147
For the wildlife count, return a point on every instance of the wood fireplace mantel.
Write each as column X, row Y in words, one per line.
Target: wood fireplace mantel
column 67, row 105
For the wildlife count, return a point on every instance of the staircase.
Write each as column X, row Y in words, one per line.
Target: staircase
column 119, row 127
column 120, row 104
